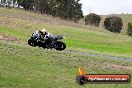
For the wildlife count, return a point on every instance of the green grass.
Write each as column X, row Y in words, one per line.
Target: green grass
column 77, row 38
column 22, row 66
column 26, row 67
column 13, row 32
column 21, row 24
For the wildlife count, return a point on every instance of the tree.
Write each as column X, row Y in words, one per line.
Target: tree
column 19, row 2
column 41, row 5
column 113, row 24
column 6, row 3
column 92, row 19
column 27, row 4
column 65, row 9
column 68, row 9
column 129, row 29
column 3, row 2
column 77, row 12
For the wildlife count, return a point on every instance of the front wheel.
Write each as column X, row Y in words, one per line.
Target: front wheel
column 31, row 42
column 59, row 45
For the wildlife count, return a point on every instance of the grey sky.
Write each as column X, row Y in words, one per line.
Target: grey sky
column 106, row 6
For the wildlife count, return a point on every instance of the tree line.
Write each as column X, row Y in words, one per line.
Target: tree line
column 65, row 9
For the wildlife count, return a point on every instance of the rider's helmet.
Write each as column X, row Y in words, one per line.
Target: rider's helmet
column 44, row 31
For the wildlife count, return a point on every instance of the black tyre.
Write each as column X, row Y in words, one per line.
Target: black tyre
column 59, row 45
column 31, row 42
column 81, row 80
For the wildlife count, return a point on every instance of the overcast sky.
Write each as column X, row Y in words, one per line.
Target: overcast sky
column 106, row 6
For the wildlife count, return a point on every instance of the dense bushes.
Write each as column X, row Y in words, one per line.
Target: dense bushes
column 92, row 19
column 129, row 29
column 113, row 24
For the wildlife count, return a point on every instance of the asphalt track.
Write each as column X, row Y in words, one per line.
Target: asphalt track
column 100, row 55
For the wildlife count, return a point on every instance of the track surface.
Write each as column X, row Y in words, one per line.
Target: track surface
column 100, row 55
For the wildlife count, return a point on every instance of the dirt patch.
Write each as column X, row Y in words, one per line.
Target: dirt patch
column 7, row 38
column 108, row 66
column 3, row 20
column 118, row 67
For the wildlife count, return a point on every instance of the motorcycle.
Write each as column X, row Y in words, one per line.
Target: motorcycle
column 49, row 44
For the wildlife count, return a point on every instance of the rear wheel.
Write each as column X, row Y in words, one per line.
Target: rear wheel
column 31, row 42
column 59, row 45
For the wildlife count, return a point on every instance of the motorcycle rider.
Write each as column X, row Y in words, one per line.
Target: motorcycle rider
column 43, row 35
column 46, row 35
column 37, row 35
